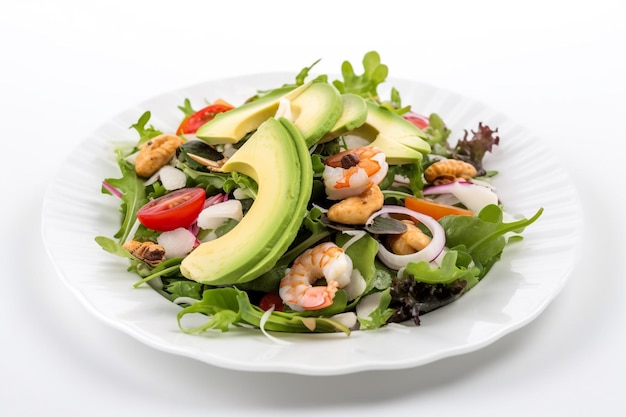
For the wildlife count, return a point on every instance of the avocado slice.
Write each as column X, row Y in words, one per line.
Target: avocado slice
column 354, row 115
column 316, row 110
column 277, row 158
column 233, row 125
column 395, row 152
column 392, row 127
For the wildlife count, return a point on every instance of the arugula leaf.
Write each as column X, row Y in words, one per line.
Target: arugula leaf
column 413, row 172
column 220, row 305
column 133, row 196
column 243, row 182
column 380, row 315
column 168, row 268
column 145, row 131
column 229, row 306
column 313, row 223
column 114, row 247
column 211, row 181
column 186, row 108
column 184, row 288
column 304, row 72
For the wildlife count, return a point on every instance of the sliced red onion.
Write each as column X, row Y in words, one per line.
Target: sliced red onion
column 214, row 199
column 428, row 254
column 473, row 196
column 112, row 189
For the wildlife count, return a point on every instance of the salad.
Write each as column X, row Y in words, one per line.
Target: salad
column 316, row 206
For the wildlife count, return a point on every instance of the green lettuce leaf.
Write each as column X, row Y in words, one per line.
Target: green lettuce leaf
column 228, row 307
column 454, row 266
column 145, row 131
column 483, row 236
column 133, row 196
column 380, row 315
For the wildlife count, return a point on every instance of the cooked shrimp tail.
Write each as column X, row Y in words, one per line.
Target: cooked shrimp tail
column 315, row 298
column 325, row 260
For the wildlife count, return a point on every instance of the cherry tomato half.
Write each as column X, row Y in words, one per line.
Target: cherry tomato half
column 271, row 299
column 417, row 119
column 179, row 208
column 192, row 123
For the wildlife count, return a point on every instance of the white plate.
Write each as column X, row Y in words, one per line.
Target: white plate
column 529, row 276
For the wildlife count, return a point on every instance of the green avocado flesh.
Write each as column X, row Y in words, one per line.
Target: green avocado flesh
column 395, row 152
column 399, row 139
column 277, row 158
column 234, row 125
column 316, row 110
column 354, row 115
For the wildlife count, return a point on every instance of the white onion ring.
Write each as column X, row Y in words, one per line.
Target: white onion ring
column 428, row 254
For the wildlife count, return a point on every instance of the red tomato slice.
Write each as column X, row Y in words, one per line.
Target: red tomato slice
column 179, row 208
column 271, row 299
column 417, row 119
column 192, row 123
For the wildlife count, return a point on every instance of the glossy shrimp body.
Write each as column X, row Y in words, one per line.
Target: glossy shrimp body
column 325, row 260
column 351, row 172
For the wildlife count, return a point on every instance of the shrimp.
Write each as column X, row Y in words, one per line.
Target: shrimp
column 351, row 172
column 324, row 260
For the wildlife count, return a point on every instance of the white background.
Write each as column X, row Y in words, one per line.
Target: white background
column 555, row 67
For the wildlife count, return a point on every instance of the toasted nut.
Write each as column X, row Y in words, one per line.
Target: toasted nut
column 209, row 163
column 449, row 170
column 411, row 241
column 156, row 153
column 357, row 209
column 149, row 252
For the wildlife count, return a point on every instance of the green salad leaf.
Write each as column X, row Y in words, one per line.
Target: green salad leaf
column 380, row 315
column 133, row 196
column 145, row 131
column 483, row 236
column 366, row 84
column 473, row 243
column 230, row 307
